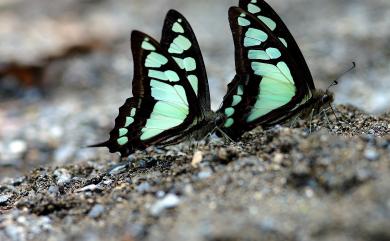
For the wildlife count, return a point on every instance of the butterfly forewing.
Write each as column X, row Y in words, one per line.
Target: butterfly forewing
column 273, row 82
column 164, row 103
column 179, row 40
column 262, row 11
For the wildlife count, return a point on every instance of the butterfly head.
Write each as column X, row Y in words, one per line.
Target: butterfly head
column 327, row 98
column 321, row 100
column 219, row 119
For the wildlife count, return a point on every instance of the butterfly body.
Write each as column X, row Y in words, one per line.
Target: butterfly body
column 198, row 131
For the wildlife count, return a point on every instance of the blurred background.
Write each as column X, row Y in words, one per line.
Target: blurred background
column 66, row 65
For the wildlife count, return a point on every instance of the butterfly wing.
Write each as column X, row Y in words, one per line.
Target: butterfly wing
column 179, row 40
column 164, row 105
column 264, row 12
column 273, row 81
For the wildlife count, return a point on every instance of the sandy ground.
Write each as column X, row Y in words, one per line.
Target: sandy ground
column 65, row 68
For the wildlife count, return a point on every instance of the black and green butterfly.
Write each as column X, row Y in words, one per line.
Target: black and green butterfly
column 171, row 100
column 273, row 83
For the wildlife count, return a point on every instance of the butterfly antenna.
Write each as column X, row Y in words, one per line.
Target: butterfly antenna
column 334, row 112
column 336, row 81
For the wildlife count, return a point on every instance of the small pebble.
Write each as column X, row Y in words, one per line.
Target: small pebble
column 17, row 146
column 268, row 224
column 53, row 190
column 371, row 154
column 169, row 201
column 143, row 187
column 15, row 232
column 63, row 176
column 278, row 158
column 89, row 188
column 4, row 199
column 96, row 211
column 197, row 159
column 160, row 194
column 108, row 182
column 118, row 169
column 204, row 174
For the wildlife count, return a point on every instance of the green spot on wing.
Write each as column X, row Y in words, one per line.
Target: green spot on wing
column 273, row 53
column 240, row 90
column 258, row 54
column 172, row 76
column 236, row 100
column 243, row 22
column 268, row 70
column 179, row 45
column 269, row 22
column 162, row 123
column 229, row 111
column 170, row 110
column 166, row 75
column 122, row 141
column 155, row 60
column 123, row 131
column 166, row 92
column 285, row 70
column 228, row 123
column 179, row 62
column 182, row 93
column 132, row 112
column 164, row 116
column 129, row 121
column 253, row 8
column 276, row 88
column 149, row 133
column 273, row 94
column 147, row 46
column 174, row 49
column 254, row 37
column 177, row 28
column 157, row 74
column 189, row 64
column 283, row 42
column 194, row 82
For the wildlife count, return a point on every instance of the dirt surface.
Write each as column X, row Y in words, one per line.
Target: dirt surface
column 65, row 69
column 279, row 184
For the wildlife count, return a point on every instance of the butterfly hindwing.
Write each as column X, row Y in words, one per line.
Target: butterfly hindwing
column 179, row 40
column 273, row 83
column 234, row 107
column 164, row 104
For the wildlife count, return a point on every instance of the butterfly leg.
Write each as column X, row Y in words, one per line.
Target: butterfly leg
column 334, row 112
column 311, row 119
column 327, row 119
column 294, row 121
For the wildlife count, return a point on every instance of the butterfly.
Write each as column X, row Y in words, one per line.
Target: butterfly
column 273, row 83
column 171, row 100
